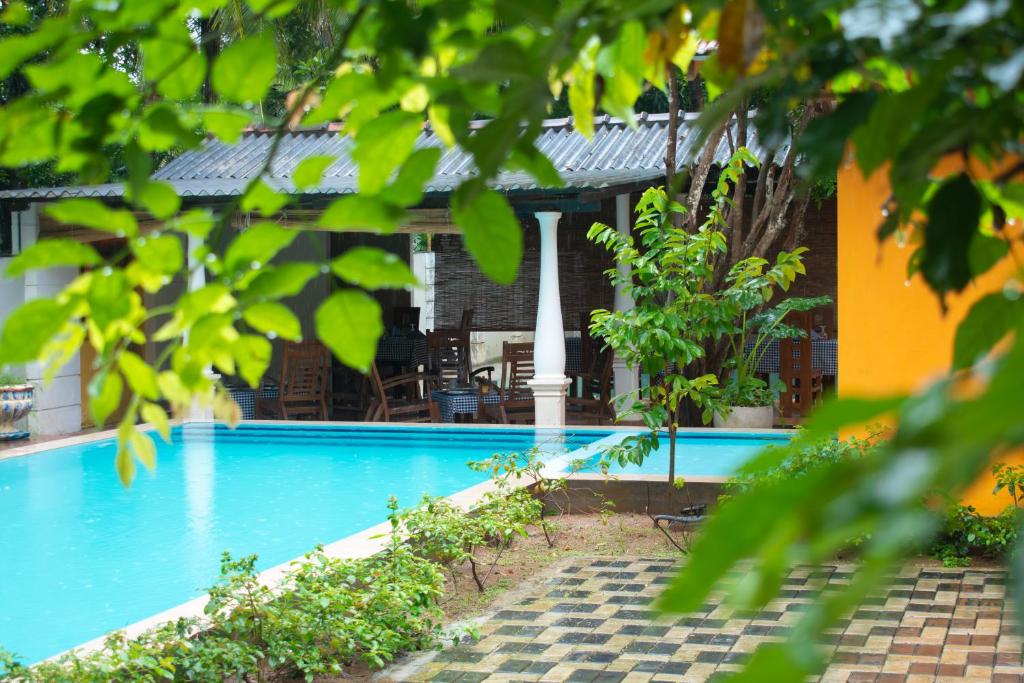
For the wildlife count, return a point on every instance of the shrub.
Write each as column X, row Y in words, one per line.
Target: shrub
column 798, row 463
column 508, row 470
column 451, row 536
column 967, row 533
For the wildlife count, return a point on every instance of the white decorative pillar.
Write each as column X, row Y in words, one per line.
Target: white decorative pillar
column 549, row 381
column 196, row 281
column 626, row 378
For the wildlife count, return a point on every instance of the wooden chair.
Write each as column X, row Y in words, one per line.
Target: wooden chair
column 448, row 359
column 302, row 389
column 391, row 405
column 594, row 404
column 516, row 404
column 466, row 322
column 350, row 393
column 406, row 317
column 803, row 383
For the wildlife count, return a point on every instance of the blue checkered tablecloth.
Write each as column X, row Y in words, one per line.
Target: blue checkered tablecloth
column 823, row 352
column 410, row 352
column 573, row 356
column 246, row 399
column 451, row 404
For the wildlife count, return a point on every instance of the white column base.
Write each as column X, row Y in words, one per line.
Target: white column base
column 549, row 400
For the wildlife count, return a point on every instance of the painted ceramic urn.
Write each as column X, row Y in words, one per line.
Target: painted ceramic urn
column 15, row 403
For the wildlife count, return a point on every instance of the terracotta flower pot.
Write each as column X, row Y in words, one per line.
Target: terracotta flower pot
column 15, row 403
column 760, row 417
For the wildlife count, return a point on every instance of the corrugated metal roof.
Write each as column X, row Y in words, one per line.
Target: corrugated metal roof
column 616, row 155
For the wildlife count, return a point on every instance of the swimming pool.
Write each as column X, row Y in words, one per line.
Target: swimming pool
column 81, row 555
column 704, row 453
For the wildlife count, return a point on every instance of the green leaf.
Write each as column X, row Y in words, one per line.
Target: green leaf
column 582, row 98
column 273, row 319
column 245, row 70
column 953, row 215
column 362, row 212
column 124, row 464
column 837, row 413
column 416, row 172
column 140, row 375
column 176, row 66
column 373, row 268
column 493, row 235
column 226, row 124
column 310, row 170
column 29, row 328
column 253, row 353
column 349, row 323
column 144, row 449
column 261, row 197
column 162, row 128
column 254, row 247
column 287, row 279
column 157, row 416
column 104, row 396
column 990, row 319
column 382, row 145
column 49, row 253
column 272, row 8
column 195, row 222
column 622, row 65
column 159, row 198
column 159, row 254
column 985, row 252
column 92, row 213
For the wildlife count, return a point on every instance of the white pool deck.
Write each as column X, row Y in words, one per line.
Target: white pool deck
column 374, row 539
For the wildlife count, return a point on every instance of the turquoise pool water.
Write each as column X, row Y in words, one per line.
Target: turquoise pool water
column 713, row 453
column 80, row 555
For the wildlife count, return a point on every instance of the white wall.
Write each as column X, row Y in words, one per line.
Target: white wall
column 423, row 296
column 58, row 406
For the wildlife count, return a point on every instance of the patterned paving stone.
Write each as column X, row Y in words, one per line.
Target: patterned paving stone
column 591, row 622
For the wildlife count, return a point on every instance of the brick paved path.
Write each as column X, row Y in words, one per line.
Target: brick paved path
column 589, row 621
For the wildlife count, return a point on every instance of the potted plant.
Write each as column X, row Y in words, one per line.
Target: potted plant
column 747, row 401
column 15, row 403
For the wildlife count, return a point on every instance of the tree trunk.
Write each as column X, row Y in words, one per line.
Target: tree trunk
column 209, row 42
column 673, row 129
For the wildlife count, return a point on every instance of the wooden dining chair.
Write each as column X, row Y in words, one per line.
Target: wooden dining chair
column 516, row 405
column 302, row 388
column 399, row 399
column 593, row 406
column 449, row 359
column 803, row 383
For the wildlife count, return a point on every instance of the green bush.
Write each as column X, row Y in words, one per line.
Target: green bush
column 798, row 463
column 968, row 533
column 451, row 536
column 326, row 615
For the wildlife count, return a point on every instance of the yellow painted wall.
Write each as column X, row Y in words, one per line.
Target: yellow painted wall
column 892, row 334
